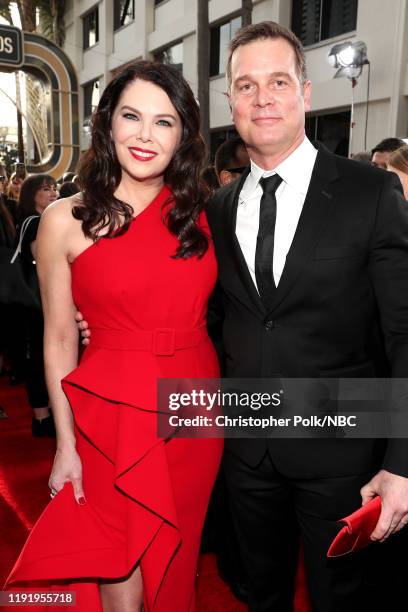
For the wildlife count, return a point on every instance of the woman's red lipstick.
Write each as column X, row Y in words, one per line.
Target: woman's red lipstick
column 142, row 154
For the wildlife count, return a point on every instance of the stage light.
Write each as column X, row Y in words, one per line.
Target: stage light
column 349, row 58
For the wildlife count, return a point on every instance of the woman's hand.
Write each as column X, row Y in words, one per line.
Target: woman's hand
column 67, row 467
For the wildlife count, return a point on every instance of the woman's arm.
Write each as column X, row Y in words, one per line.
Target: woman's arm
column 60, row 337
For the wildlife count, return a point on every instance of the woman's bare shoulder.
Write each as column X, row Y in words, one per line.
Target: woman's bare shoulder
column 59, row 213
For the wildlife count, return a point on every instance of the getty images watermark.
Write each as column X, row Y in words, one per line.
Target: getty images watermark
column 283, row 408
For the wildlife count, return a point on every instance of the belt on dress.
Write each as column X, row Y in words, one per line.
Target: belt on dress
column 159, row 341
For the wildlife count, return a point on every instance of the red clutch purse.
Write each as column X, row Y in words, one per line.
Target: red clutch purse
column 357, row 529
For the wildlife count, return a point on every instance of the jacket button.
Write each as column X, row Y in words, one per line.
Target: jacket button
column 269, row 325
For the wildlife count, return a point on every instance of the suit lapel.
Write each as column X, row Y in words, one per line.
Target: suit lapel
column 318, row 204
column 233, row 244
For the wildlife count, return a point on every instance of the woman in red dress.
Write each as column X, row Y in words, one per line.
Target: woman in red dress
column 133, row 253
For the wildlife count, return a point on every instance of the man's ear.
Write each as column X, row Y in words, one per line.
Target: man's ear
column 307, row 95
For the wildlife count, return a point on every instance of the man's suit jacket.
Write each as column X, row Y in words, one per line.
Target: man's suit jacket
column 347, row 262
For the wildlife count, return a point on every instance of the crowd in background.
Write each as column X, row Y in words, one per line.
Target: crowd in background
column 23, row 199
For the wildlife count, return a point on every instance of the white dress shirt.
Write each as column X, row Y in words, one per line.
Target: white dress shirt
column 296, row 171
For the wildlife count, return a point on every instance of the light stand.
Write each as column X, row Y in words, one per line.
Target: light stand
column 349, row 59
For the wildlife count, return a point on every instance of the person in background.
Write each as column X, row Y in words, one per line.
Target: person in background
column 381, row 152
column 4, row 182
column 362, row 156
column 209, row 177
column 7, row 229
column 12, row 195
column 68, row 188
column 13, row 343
column 398, row 163
column 37, row 193
column 7, row 234
column 68, row 177
column 231, row 159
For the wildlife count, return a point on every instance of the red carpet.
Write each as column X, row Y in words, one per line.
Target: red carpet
column 25, row 465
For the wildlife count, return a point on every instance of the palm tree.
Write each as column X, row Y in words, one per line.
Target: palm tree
column 5, row 11
column 27, row 11
column 50, row 12
column 51, row 17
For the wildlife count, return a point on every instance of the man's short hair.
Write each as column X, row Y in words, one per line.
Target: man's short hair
column 263, row 31
column 226, row 154
column 68, row 188
column 388, row 145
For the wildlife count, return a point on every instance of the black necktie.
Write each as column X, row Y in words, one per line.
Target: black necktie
column 265, row 240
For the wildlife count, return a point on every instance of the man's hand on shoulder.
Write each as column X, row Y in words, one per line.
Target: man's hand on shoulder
column 393, row 490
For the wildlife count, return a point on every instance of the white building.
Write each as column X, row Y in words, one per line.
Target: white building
column 102, row 36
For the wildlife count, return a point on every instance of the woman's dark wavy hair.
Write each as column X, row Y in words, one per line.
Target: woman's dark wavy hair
column 30, row 186
column 100, row 172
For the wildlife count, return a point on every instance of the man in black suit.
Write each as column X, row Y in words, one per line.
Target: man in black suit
column 309, row 247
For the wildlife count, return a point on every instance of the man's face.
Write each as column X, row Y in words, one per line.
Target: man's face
column 268, row 102
column 380, row 159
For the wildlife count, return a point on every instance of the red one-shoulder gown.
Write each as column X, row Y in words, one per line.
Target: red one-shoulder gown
column 146, row 497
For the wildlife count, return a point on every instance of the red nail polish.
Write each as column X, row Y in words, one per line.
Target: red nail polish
column 82, row 501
